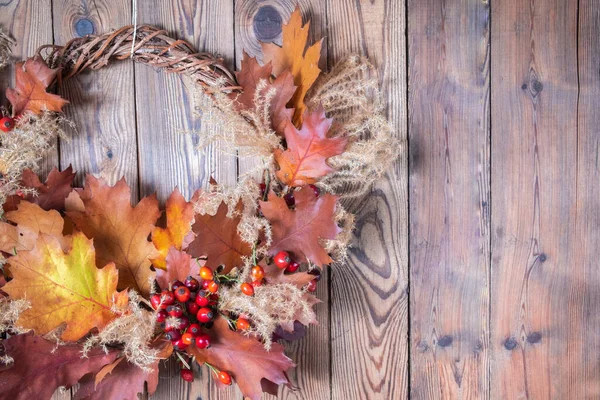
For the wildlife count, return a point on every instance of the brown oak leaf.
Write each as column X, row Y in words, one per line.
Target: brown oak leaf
column 291, row 56
column 245, row 358
column 124, row 382
column 32, row 79
column 308, row 149
column 218, row 240
column 40, row 366
column 120, row 231
column 180, row 265
column 300, row 230
column 50, row 195
column 178, row 232
column 280, row 90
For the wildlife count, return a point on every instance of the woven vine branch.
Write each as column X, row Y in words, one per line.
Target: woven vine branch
column 146, row 44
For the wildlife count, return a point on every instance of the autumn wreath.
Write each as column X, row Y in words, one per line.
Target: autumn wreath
column 95, row 291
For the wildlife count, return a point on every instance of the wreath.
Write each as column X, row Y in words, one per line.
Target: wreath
column 97, row 292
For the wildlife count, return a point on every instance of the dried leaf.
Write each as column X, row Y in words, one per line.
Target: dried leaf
column 64, row 287
column 40, row 366
column 291, row 56
column 50, row 195
column 218, row 240
column 301, row 230
column 120, row 231
column 245, row 358
column 177, row 234
column 282, row 88
column 180, row 265
column 305, row 159
column 107, row 369
column 32, row 79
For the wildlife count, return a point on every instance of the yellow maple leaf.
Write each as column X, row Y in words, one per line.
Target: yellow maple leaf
column 177, row 234
column 291, row 56
column 64, row 287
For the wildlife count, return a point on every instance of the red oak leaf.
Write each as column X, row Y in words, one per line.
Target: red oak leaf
column 32, row 79
column 300, row 230
column 245, row 358
column 50, row 195
column 218, row 240
column 180, row 265
column 40, row 366
column 308, row 149
column 280, row 90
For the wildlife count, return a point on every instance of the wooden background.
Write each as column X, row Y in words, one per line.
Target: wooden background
column 475, row 273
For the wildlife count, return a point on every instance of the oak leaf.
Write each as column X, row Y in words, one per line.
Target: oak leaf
column 40, row 366
column 245, row 358
column 279, row 91
column 291, row 56
column 301, row 230
column 308, row 149
column 32, row 79
column 50, row 195
column 218, row 240
column 178, row 232
column 120, row 231
column 180, row 265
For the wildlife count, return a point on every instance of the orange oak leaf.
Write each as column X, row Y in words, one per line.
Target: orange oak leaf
column 32, row 79
column 64, row 287
column 300, row 230
column 178, row 233
column 180, row 265
column 245, row 358
column 31, row 221
column 124, row 381
column 218, row 240
column 291, row 56
column 308, row 149
column 280, row 90
column 120, row 231
column 40, row 366
column 50, row 195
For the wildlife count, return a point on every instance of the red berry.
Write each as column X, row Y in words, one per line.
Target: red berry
column 205, row 315
column 182, row 294
column 187, row 338
column 282, row 259
column 173, row 336
column 206, row 273
column 224, row 377
column 315, row 189
column 293, row 267
column 214, row 299
column 213, row 287
column 316, row 272
column 175, row 285
column 192, row 307
column 257, row 283
column 312, row 286
column 247, row 289
column 161, row 316
column 7, row 124
column 242, row 324
column 289, row 199
column 183, row 322
column 187, row 375
column 194, row 329
column 205, row 284
column 156, row 302
column 203, row 341
column 191, row 283
column 258, row 273
column 179, row 345
column 202, row 300
column 167, row 297
column 175, row 311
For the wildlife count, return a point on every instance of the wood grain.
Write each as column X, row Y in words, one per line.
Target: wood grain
column 261, row 20
column 449, row 198
column 369, row 294
column 104, row 141
column 545, row 201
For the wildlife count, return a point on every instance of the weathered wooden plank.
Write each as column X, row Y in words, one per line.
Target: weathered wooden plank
column 165, row 107
column 104, row 141
column 545, row 201
column 449, row 197
column 261, row 21
column 369, row 296
column 30, row 23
